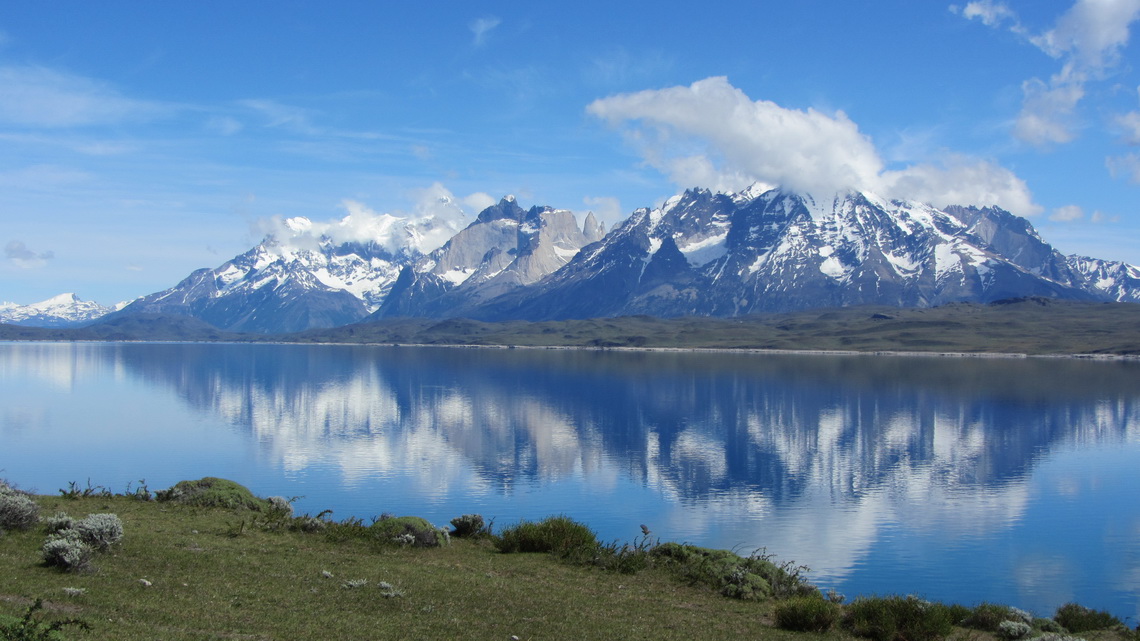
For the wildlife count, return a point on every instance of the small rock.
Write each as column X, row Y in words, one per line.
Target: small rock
column 145, row 583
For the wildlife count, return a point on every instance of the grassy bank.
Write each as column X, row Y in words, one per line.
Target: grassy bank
column 186, row 571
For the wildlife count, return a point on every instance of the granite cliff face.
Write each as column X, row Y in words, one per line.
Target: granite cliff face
column 506, row 248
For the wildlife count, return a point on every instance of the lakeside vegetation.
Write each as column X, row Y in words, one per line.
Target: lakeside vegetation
column 206, row 559
column 1034, row 326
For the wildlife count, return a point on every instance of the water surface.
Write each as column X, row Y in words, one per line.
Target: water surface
column 965, row 480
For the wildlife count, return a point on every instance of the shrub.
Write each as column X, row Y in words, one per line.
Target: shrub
column 468, row 526
column 1076, row 618
column 100, row 531
column 212, row 492
column 17, row 510
column 58, row 522
column 806, row 614
column 1013, row 629
column 29, row 628
column 753, row 577
column 407, row 530
column 559, row 535
column 1048, row 625
column 68, row 551
column 280, row 505
column 1055, row 636
column 989, row 617
column 898, row 619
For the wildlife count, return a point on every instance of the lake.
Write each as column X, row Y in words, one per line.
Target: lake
column 957, row 479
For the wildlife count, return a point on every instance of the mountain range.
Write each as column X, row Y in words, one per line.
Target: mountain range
column 699, row 254
column 64, row 310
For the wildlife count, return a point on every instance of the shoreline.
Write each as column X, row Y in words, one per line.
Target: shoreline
column 616, row 348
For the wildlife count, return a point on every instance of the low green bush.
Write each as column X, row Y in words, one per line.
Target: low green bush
column 58, row 522
column 559, row 535
column 1014, row 630
column 67, row 551
column 753, row 577
column 1077, row 618
column 898, row 618
column 806, row 614
column 100, row 531
column 30, row 628
column 407, row 530
column 17, row 510
column 468, row 526
column 213, row 492
column 989, row 617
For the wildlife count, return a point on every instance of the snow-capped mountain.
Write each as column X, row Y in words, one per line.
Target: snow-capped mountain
column 700, row 253
column 302, row 277
column 65, row 310
column 768, row 251
column 505, row 248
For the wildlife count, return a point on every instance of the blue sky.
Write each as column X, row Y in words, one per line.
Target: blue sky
column 142, row 140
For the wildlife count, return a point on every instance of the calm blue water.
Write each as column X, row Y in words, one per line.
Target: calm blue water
column 962, row 480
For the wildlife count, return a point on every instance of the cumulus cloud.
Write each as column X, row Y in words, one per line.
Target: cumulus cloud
column 480, row 27
column 711, row 134
column 20, row 255
column 435, row 216
column 1047, row 110
column 1126, row 166
column 961, row 180
column 752, row 140
column 990, row 13
column 35, row 96
column 1067, row 214
column 1088, row 39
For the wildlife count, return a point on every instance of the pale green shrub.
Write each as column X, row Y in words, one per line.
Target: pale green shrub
column 58, row 522
column 100, row 531
column 468, row 525
column 1013, row 629
column 17, row 510
column 68, row 551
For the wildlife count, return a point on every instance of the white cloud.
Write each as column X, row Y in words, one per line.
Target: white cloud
column 224, row 125
column 1129, row 125
column 1067, row 214
column 1091, row 33
column 803, row 150
column 990, row 13
column 1127, row 166
column 436, row 215
column 710, row 134
column 1047, row 111
column 481, row 27
column 284, row 116
column 1088, row 38
column 960, row 180
column 34, row 96
column 20, row 255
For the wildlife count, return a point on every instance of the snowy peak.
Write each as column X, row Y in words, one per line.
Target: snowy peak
column 774, row 250
column 505, row 248
column 64, row 310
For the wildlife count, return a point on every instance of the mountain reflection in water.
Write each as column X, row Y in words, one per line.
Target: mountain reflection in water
column 962, row 479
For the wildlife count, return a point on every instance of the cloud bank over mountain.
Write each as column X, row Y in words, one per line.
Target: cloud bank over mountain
column 712, row 134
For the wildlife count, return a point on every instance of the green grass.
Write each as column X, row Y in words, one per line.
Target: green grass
column 184, row 571
column 214, row 580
